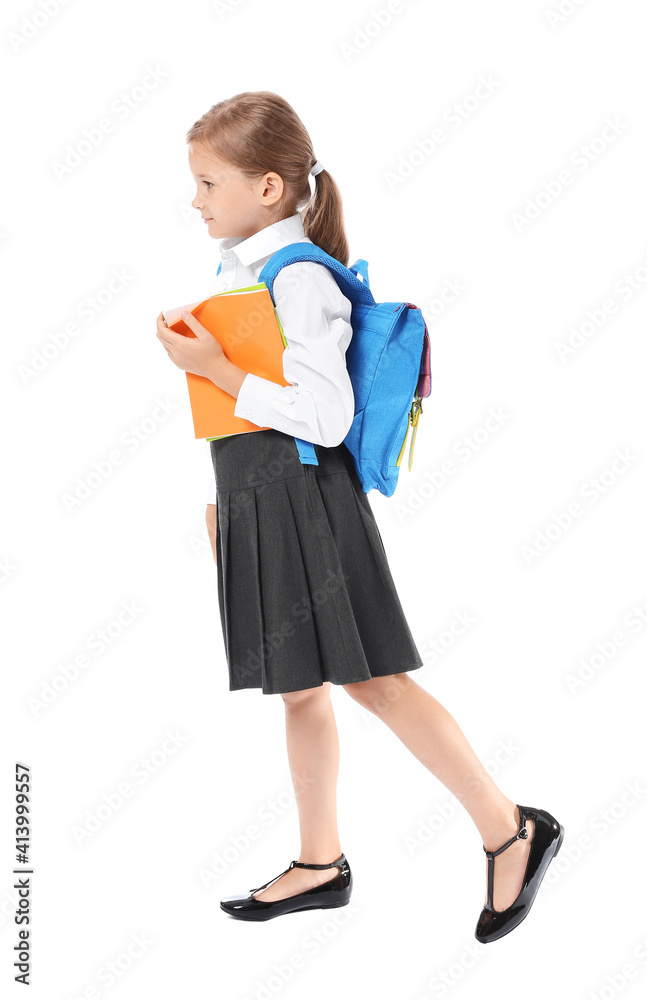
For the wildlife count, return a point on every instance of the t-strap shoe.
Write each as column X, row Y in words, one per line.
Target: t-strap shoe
column 546, row 841
column 335, row 892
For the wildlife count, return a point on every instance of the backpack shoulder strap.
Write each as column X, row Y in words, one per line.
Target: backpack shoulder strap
column 358, row 292
column 347, row 277
column 350, row 286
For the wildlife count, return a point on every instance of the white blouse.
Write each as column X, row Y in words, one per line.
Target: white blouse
column 319, row 404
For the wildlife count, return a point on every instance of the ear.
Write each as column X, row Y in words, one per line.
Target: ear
column 271, row 188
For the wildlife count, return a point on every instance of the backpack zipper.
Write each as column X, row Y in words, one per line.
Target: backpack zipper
column 414, row 417
column 416, row 406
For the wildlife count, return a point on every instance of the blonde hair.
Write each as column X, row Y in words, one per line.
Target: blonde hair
column 257, row 131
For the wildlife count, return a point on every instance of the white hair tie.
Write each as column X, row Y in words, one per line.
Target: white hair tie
column 316, row 169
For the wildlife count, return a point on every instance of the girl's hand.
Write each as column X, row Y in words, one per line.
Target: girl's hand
column 201, row 355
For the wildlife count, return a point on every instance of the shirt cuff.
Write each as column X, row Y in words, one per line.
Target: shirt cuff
column 268, row 404
column 254, row 398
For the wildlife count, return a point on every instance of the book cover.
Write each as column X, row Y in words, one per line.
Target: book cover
column 246, row 325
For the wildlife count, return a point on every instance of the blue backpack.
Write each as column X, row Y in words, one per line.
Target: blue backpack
column 388, row 361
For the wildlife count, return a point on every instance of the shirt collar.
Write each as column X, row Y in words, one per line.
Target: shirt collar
column 266, row 241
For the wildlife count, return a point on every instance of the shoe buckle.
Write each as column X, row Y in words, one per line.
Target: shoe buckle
column 523, row 834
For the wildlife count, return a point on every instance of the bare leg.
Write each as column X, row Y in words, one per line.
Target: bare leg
column 435, row 738
column 313, row 754
column 210, row 518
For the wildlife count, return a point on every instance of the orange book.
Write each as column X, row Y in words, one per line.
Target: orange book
column 247, row 327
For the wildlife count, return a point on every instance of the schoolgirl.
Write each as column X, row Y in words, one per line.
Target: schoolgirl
column 305, row 593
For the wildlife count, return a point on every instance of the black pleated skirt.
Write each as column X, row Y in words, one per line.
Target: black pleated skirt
column 304, row 586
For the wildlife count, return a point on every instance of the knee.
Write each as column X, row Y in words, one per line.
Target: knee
column 308, row 696
column 378, row 693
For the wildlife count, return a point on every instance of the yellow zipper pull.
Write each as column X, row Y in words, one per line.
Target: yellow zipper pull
column 416, row 410
column 399, row 458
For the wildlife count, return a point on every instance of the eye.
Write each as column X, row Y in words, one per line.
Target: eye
column 209, row 183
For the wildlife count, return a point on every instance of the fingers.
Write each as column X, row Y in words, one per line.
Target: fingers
column 165, row 334
column 195, row 325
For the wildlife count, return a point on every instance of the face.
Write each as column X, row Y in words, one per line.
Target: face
column 231, row 203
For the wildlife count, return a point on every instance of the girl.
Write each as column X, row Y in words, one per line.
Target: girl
column 305, row 593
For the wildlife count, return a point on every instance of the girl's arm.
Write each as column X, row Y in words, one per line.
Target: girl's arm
column 318, row 404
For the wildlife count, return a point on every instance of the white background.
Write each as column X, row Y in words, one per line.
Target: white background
column 368, row 94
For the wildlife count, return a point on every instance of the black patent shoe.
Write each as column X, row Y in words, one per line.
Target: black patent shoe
column 546, row 841
column 335, row 892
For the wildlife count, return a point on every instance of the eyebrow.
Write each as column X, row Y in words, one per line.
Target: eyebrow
column 204, row 177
